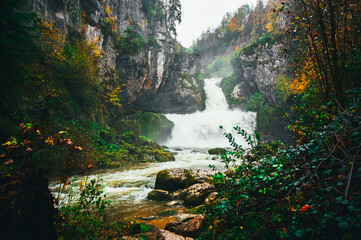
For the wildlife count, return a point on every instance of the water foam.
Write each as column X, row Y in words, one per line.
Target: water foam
column 201, row 129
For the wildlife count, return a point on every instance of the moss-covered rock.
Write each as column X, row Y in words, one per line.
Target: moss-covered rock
column 163, row 156
column 159, row 195
column 217, row 151
column 173, row 179
column 155, row 126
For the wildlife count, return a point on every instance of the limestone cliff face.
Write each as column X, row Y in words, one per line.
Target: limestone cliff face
column 153, row 77
column 257, row 70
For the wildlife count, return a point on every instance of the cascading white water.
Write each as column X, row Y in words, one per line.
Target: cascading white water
column 201, row 129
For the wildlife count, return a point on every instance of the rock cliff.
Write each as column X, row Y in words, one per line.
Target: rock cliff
column 161, row 77
column 256, row 69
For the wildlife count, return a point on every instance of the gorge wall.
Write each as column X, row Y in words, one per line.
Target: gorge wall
column 161, row 76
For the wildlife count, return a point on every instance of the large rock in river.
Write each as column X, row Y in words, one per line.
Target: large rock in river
column 173, row 179
column 159, row 195
column 197, row 193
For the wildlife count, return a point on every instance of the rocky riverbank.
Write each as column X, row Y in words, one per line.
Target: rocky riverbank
column 191, row 188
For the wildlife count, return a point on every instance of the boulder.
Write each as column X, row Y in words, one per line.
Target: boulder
column 182, row 218
column 217, row 151
column 197, row 193
column 166, row 235
column 159, row 195
column 163, row 156
column 173, row 179
column 201, row 175
column 191, row 228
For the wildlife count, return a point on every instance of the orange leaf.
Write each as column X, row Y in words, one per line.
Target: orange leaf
column 304, row 208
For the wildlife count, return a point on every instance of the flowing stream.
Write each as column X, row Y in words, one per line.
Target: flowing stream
column 192, row 136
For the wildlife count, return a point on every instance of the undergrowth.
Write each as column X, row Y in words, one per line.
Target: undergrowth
column 307, row 191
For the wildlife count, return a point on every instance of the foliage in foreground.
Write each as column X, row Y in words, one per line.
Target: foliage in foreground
column 84, row 216
column 307, row 191
column 85, row 219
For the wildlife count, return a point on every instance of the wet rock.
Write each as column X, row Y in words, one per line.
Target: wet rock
column 191, row 228
column 174, row 203
column 197, row 193
column 159, row 195
column 166, row 235
column 217, row 151
column 185, row 217
column 164, row 156
column 180, row 194
column 201, row 175
column 173, row 179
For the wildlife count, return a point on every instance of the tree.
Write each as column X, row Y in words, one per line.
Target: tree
column 174, row 15
column 329, row 34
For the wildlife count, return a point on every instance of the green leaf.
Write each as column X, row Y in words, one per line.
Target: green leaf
column 343, row 225
column 299, row 233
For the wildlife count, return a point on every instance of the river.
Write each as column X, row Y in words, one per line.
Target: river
column 192, row 136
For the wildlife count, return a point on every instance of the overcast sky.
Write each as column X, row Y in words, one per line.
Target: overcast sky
column 198, row 15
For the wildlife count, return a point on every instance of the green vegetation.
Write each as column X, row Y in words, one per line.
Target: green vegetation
column 307, row 191
column 155, row 126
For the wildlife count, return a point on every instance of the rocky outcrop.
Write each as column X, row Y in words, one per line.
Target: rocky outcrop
column 255, row 71
column 160, row 77
column 197, row 193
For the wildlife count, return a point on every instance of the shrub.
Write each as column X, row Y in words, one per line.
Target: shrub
column 307, row 191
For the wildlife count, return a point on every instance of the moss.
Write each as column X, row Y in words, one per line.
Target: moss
column 197, row 210
column 164, row 174
column 228, row 84
column 155, row 126
column 163, row 156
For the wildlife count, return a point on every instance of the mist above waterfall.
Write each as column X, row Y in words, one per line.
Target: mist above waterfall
column 201, row 129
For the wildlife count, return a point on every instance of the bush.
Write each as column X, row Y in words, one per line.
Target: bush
column 307, row 191
column 86, row 219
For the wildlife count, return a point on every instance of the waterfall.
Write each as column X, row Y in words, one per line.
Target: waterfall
column 201, row 129
column 192, row 135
